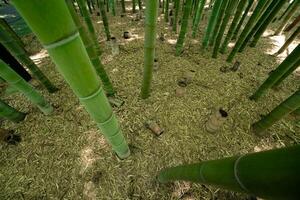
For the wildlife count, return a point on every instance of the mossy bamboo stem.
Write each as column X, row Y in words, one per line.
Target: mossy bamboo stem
column 228, row 12
column 90, row 48
column 57, row 32
column 278, row 73
column 288, row 106
column 239, row 11
column 149, row 46
column 22, row 56
column 255, row 15
column 184, row 27
column 289, row 41
column 272, row 174
column 241, row 21
column 20, row 84
column 9, row 113
column 211, row 23
column 198, row 16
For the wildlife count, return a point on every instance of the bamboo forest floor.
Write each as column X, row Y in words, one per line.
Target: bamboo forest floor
column 64, row 156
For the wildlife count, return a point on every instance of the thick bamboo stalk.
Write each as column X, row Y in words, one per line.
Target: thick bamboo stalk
column 272, row 9
column 184, row 27
column 239, row 11
column 228, row 12
column 278, row 73
column 20, row 84
column 104, row 19
column 211, row 23
column 216, row 29
column 177, row 6
column 90, row 48
column 22, row 56
column 57, row 32
column 4, row 25
column 289, row 41
column 286, row 74
column 288, row 106
column 9, row 113
column 89, row 24
column 256, row 13
column 288, row 16
column 241, row 21
column 293, row 24
column 149, row 49
column 291, row 3
column 272, row 174
column 198, row 17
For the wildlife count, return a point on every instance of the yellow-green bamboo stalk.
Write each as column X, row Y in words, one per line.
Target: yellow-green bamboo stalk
column 9, row 113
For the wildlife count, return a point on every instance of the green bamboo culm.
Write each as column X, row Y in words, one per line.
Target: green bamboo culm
column 149, row 49
column 261, row 21
column 198, row 17
column 219, row 22
column 123, row 6
column 104, row 19
column 293, row 24
column 296, row 113
column 241, row 21
column 22, row 56
column 228, row 12
column 58, row 33
column 177, row 7
column 287, row 17
column 239, row 11
column 15, row 80
column 166, row 16
column 133, row 6
column 286, row 10
column 211, row 23
column 255, row 15
column 288, row 63
column 90, row 48
column 286, row 74
column 112, row 7
column 272, row 174
column 9, row 113
column 266, row 23
column 89, row 24
column 4, row 25
column 288, row 106
column 289, row 41
column 184, row 27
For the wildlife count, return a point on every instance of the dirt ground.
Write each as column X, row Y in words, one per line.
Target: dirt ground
column 64, row 156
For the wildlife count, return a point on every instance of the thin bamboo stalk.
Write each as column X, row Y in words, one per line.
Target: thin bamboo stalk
column 104, row 19
column 184, row 27
column 288, row 106
column 149, row 49
column 57, row 32
column 289, row 41
column 286, row 10
column 177, row 7
column 9, row 113
column 123, row 6
column 277, row 73
column 286, row 74
column 133, row 6
column 4, row 25
column 256, row 13
column 166, row 16
column 272, row 174
column 20, row 84
column 22, row 56
column 90, row 48
column 198, row 17
column 293, row 24
column 112, row 7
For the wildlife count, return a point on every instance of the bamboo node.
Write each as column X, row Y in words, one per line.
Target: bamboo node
column 62, row 41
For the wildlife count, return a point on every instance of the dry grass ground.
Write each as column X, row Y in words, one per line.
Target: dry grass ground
column 64, row 156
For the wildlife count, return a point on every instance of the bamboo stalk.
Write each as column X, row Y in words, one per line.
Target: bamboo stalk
column 278, row 73
column 112, row 7
column 288, row 106
column 256, row 13
column 22, row 56
column 184, row 27
column 90, row 48
column 211, row 23
column 239, row 26
column 166, row 16
column 133, row 6
column 123, row 6
column 288, row 16
column 149, row 49
column 4, row 25
column 198, row 17
column 293, row 24
column 177, row 6
column 286, row 74
column 272, row 174
column 228, row 12
column 239, row 11
column 10, row 113
column 289, row 41
column 104, row 20
column 57, row 32
column 20, row 84
column 286, row 10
